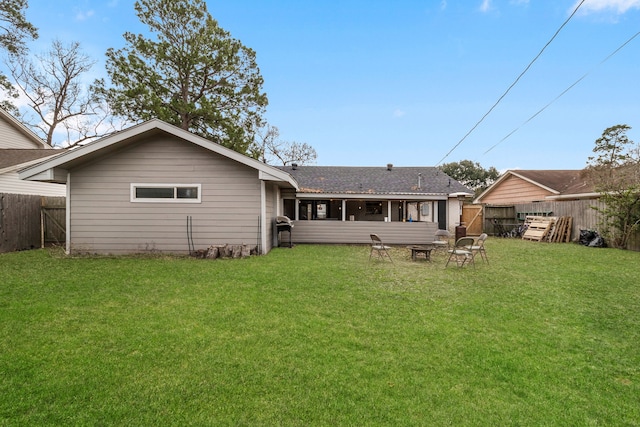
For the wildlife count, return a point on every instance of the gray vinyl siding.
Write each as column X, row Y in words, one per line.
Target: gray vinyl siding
column 11, row 183
column 10, row 137
column 271, row 208
column 104, row 220
column 288, row 193
column 353, row 232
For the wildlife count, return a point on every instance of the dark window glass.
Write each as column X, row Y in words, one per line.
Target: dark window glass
column 373, row 208
column 290, row 208
column 187, row 192
column 154, row 193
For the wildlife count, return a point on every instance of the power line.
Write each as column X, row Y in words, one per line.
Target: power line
column 513, row 84
column 564, row 91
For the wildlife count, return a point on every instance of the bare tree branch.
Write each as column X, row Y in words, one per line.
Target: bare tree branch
column 57, row 97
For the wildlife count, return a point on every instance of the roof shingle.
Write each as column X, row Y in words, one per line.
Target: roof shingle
column 15, row 156
column 374, row 180
column 563, row 181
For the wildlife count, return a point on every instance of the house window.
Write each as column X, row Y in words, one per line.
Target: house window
column 373, row 208
column 166, row 193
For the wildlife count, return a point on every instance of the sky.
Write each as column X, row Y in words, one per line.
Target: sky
column 407, row 82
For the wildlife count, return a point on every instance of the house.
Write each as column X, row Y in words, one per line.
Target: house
column 19, row 148
column 138, row 189
column 533, row 186
column 404, row 205
column 156, row 187
column 521, row 193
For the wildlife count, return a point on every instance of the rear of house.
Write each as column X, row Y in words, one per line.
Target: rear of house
column 121, row 205
column 135, row 191
column 157, row 188
column 344, row 204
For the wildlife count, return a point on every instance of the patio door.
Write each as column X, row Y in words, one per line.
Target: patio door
column 442, row 214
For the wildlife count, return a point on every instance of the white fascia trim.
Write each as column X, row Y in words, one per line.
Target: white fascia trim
column 49, row 175
column 366, row 196
column 282, row 176
column 460, row 194
column 574, row 196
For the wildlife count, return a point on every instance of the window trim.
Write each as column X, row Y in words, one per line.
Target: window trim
column 175, row 187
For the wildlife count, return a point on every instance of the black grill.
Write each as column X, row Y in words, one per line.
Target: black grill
column 283, row 223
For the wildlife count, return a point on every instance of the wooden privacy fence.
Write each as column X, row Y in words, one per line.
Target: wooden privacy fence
column 581, row 212
column 29, row 221
column 53, row 221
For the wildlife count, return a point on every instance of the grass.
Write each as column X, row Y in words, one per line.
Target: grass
column 547, row 334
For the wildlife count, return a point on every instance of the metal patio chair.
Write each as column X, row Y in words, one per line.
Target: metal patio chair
column 379, row 247
column 478, row 248
column 442, row 240
column 461, row 252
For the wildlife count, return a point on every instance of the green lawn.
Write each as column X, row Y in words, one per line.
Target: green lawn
column 547, row 334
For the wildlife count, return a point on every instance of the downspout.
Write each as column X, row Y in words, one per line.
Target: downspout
column 263, row 217
column 67, row 216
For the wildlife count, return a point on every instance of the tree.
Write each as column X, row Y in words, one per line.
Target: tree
column 615, row 173
column 193, row 75
column 14, row 30
column 471, row 174
column 14, row 27
column 265, row 138
column 269, row 149
column 57, row 98
column 300, row 153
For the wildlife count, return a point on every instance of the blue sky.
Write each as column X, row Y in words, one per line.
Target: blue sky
column 371, row 82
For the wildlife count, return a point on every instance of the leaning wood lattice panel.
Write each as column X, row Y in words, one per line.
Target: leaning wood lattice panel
column 538, row 227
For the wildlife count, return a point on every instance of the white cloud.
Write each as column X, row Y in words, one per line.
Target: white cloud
column 21, row 101
column 398, row 113
column 83, row 16
column 443, row 4
column 618, row 6
column 485, row 6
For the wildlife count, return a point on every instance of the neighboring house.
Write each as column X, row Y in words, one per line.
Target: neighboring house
column 136, row 190
column 405, row 205
column 521, row 193
column 528, row 186
column 19, row 148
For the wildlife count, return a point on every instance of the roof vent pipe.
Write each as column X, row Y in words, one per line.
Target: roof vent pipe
column 294, row 166
column 419, row 181
column 389, row 166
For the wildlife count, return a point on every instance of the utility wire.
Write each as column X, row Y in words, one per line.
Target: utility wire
column 565, row 91
column 512, row 84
